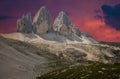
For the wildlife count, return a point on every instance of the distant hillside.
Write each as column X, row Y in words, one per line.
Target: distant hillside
column 111, row 43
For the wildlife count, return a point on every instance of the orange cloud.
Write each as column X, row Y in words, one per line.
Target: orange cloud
column 100, row 31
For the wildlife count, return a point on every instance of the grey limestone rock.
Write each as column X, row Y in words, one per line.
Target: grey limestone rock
column 76, row 30
column 24, row 24
column 64, row 26
column 42, row 21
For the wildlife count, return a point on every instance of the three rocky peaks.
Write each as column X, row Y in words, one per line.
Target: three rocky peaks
column 42, row 23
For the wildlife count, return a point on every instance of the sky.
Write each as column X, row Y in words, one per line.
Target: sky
column 99, row 18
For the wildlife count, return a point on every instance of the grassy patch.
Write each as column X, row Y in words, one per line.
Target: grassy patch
column 94, row 71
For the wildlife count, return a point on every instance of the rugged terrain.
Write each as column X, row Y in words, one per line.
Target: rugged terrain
column 25, row 60
column 69, row 50
column 37, row 48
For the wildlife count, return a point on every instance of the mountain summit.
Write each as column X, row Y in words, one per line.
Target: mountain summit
column 42, row 21
column 24, row 24
column 62, row 30
column 61, row 20
column 63, row 25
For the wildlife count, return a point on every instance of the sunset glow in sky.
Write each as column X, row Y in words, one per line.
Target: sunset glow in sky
column 99, row 18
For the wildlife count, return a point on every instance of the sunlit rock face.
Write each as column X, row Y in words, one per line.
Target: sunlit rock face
column 24, row 24
column 64, row 26
column 42, row 21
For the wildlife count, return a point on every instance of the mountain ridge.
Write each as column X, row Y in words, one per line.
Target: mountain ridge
column 42, row 26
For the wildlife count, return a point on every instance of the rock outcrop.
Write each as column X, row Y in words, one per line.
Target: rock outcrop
column 64, row 26
column 42, row 21
column 76, row 30
column 63, row 29
column 24, row 24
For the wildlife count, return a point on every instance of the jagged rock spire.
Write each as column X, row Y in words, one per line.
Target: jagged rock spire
column 42, row 21
column 24, row 24
column 61, row 20
column 64, row 26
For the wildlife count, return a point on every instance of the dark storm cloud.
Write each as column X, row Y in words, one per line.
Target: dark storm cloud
column 112, row 15
column 6, row 17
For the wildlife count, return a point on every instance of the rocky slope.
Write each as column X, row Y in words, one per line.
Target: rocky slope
column 20, row 60
column 33, row 58
column 69, row 49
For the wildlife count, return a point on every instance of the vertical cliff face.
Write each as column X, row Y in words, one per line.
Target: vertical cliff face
column 42, row 21
column 64, row 26
column 24, row 24
column 42, row 26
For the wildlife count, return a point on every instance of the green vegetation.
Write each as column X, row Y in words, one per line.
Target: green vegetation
column 117, row 44
column 94, row 71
